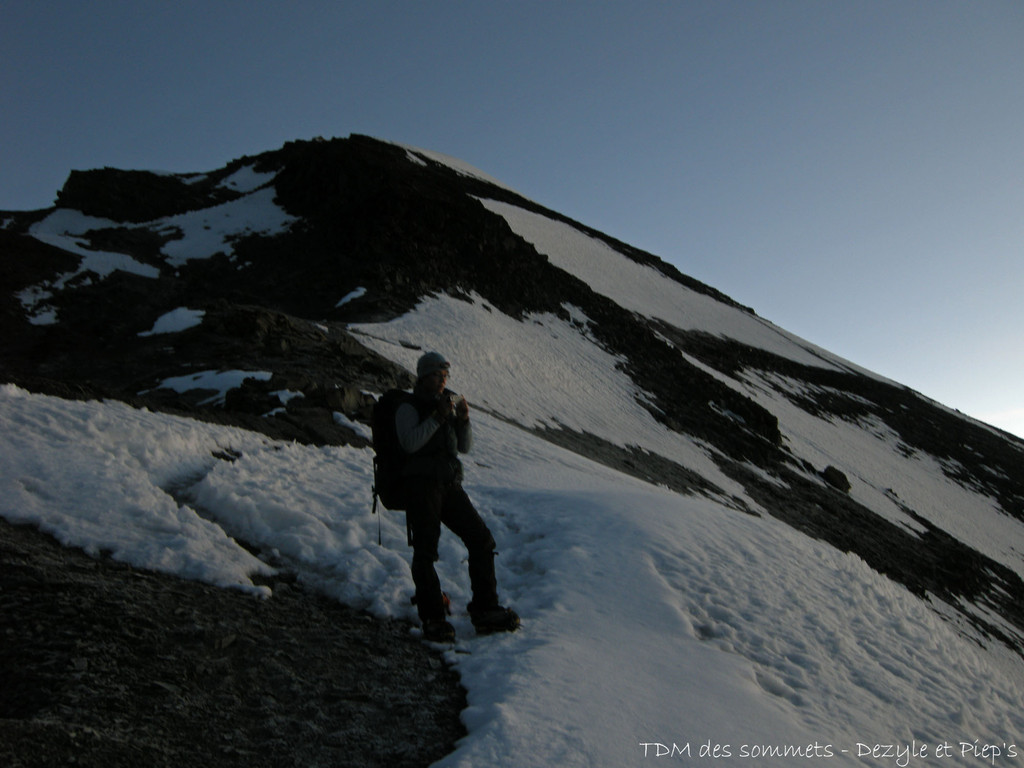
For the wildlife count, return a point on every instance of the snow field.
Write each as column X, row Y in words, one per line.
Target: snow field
column 648, row 617
column 884, row 478
column 96, row 476
column 647, row 292
column 544, row 373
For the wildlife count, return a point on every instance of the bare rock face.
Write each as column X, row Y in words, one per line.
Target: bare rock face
column 105, row 665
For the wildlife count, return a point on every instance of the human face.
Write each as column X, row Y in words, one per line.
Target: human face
column 436, row 382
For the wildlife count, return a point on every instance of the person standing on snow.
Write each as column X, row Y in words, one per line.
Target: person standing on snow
column 433, row 428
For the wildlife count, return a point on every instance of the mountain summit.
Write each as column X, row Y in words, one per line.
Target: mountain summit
column 282, row 292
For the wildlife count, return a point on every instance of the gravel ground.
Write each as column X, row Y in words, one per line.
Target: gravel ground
column 105, row 665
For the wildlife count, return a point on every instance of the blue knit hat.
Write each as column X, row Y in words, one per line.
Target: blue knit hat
column 431, row 363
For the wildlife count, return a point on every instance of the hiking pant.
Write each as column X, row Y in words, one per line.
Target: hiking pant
column 431, row 503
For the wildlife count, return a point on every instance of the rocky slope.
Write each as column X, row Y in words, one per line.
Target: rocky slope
column 105, row 665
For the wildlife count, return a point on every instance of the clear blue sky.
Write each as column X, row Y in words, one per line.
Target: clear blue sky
column 853, row 170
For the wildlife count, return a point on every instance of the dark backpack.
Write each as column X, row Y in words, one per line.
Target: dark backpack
column 389, row 458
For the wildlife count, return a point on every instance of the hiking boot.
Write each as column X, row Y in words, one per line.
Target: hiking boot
column 444, row 597
column 497, row 619
column 438, row 631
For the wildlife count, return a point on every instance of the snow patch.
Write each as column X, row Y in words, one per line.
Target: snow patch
column 207, row 232
column 247, row 179
column 221, row 382
column 175, row 321
column 358, row 293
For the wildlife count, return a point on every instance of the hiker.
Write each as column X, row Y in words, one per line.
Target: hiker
column 433, row 427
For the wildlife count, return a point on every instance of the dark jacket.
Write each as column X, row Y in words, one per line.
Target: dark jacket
column 433, row 445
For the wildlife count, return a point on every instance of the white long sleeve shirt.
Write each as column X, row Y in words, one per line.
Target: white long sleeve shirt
column 414, row 434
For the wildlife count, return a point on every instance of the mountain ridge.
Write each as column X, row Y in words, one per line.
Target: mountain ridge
column 387, row 227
